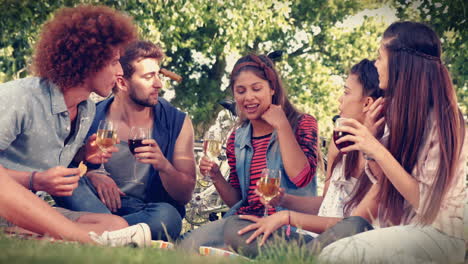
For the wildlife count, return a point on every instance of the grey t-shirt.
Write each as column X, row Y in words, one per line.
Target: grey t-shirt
column 121, row 166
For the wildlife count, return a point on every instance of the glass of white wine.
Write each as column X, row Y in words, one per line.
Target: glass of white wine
column 268, row 185
column 106, row 138
column 211, row 148
column 135, row 140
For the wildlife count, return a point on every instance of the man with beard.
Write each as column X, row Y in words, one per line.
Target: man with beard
column 154, row 184
column 44, row 120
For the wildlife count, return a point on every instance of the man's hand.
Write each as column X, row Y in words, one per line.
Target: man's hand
column 93, row 154
column 107, row 189
column 57, row 181
column 151, row 154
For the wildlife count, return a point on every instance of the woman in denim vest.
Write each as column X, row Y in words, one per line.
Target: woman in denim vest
column 271, row 134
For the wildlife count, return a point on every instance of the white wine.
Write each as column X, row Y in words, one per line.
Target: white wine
column 268, row 187
column 106, row 138
column 212, row 148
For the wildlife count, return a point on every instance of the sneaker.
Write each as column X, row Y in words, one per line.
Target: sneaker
column 138, row 235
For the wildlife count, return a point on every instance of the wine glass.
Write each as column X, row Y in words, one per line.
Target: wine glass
column 339, row 134
column 135, row 140
column 211, row 148
column 268, row 185
column 106, row 138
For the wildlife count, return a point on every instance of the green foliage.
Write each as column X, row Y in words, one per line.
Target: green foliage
column 203, row 38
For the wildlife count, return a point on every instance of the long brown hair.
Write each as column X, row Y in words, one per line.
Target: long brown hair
column 263, row 68
column 418, row 84
column 369, row 79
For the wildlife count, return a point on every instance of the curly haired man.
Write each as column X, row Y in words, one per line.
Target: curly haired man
column 45, row 118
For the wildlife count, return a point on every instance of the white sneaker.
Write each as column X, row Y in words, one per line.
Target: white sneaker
column 138, row 235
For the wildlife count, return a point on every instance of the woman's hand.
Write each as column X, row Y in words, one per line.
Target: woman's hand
column 275, row 116
column 361, row 137
column 265, row 225
column 210, row 168
column 276, row 201
column 374, row 120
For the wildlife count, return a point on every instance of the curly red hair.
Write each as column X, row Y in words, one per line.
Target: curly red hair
column 80, row 41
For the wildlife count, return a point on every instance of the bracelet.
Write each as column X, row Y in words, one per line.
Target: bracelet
column 31, row 181
column 288, row 229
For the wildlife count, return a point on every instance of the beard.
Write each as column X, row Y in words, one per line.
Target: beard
column 148, row 102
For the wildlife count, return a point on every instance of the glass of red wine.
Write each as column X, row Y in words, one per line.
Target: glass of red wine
column 135, row 140
column 338, row 134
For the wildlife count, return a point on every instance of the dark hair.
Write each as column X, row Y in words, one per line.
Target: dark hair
column 78, row 42
column 263, row 67
column 418, row 84
column 138, row 50
column 368, row 77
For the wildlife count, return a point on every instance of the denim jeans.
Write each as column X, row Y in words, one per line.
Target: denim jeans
column 161, row 217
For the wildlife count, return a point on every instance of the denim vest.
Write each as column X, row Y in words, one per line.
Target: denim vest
column 244, row 152
column 168, row 122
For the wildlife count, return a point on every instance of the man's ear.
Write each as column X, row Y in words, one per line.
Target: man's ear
column 368, row 101
column 121, row 84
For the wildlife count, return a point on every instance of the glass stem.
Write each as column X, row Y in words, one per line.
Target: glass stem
column 134, row 170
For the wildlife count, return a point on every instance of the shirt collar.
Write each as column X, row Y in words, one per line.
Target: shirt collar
column 57, row 99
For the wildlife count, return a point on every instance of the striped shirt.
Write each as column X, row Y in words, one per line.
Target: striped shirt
column 306, row 136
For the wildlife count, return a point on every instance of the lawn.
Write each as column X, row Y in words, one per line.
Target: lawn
column 14, row 250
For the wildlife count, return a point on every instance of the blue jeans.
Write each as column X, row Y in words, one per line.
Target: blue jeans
column 161, row 217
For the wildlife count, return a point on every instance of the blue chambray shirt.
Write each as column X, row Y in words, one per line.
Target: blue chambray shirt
column 34, row 123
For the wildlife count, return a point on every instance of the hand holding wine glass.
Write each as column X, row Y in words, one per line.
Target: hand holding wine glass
column 357, row 137
column 212, row 149
column 268, row 185
column 106, row 138
column 135, row 140
column 338, row 134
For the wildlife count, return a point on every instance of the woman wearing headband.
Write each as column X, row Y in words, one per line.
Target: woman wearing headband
column 422, row 155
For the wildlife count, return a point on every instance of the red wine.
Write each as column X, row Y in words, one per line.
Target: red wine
column 135, row 143
column 339, row 134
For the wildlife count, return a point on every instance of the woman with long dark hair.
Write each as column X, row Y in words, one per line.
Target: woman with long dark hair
column 348, row 192
column 421, row 157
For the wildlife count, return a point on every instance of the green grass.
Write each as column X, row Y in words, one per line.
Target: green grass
column 14, row 250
